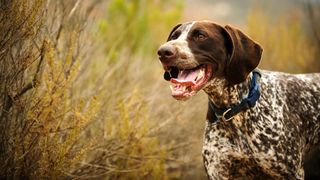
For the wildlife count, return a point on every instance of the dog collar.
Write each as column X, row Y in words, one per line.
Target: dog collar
column 227, row 114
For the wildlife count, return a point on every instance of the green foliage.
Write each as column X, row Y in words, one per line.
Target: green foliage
column 137, row 26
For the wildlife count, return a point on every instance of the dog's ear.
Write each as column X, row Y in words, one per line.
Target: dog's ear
column 244, row 55
column 173, row 30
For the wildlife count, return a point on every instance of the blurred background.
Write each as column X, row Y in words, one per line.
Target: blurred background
column 82, row 94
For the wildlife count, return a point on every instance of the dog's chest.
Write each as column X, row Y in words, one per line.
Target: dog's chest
column 268, row 138
column 240, row 141
column 246, row 150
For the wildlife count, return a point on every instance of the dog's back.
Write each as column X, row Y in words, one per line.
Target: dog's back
column 303, row 103
column 294, row 100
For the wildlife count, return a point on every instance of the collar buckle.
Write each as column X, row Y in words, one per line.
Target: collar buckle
column 223, row 117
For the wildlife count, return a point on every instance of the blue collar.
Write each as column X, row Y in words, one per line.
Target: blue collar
column 215, row 114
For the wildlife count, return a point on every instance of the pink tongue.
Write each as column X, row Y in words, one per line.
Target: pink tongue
column 186, row 77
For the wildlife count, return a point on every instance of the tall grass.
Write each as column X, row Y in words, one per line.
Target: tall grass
column 63, row 119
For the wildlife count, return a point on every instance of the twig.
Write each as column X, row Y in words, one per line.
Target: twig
column 31, row 84
column 76, row 5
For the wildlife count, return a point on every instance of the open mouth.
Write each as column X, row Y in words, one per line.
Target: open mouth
column 187, row 82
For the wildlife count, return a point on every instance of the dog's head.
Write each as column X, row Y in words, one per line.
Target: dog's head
column 197, row 52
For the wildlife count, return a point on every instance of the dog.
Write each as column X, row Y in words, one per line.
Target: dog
column 260, row 124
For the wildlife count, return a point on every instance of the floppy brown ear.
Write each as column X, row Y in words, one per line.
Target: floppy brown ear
column 245, row 55
column 174, row 28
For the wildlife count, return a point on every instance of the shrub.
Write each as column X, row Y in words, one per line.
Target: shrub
column 58, row 120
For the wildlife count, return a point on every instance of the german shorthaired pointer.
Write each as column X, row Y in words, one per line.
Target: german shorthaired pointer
column 260, row 124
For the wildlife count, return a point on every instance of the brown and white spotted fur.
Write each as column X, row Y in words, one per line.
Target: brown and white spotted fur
column 268, row 141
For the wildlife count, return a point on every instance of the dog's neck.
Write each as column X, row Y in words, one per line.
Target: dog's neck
column 223, row 95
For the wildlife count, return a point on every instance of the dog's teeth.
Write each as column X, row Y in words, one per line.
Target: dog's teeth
column 180, row 72
column 178, row 87
column 200, row 74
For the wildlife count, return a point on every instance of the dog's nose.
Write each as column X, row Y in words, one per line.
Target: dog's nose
column 166, row 52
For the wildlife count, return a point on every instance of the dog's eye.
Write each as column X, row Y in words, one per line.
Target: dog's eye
column 200, row 37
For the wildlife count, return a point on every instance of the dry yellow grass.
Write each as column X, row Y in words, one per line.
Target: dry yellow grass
column 286, row 45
